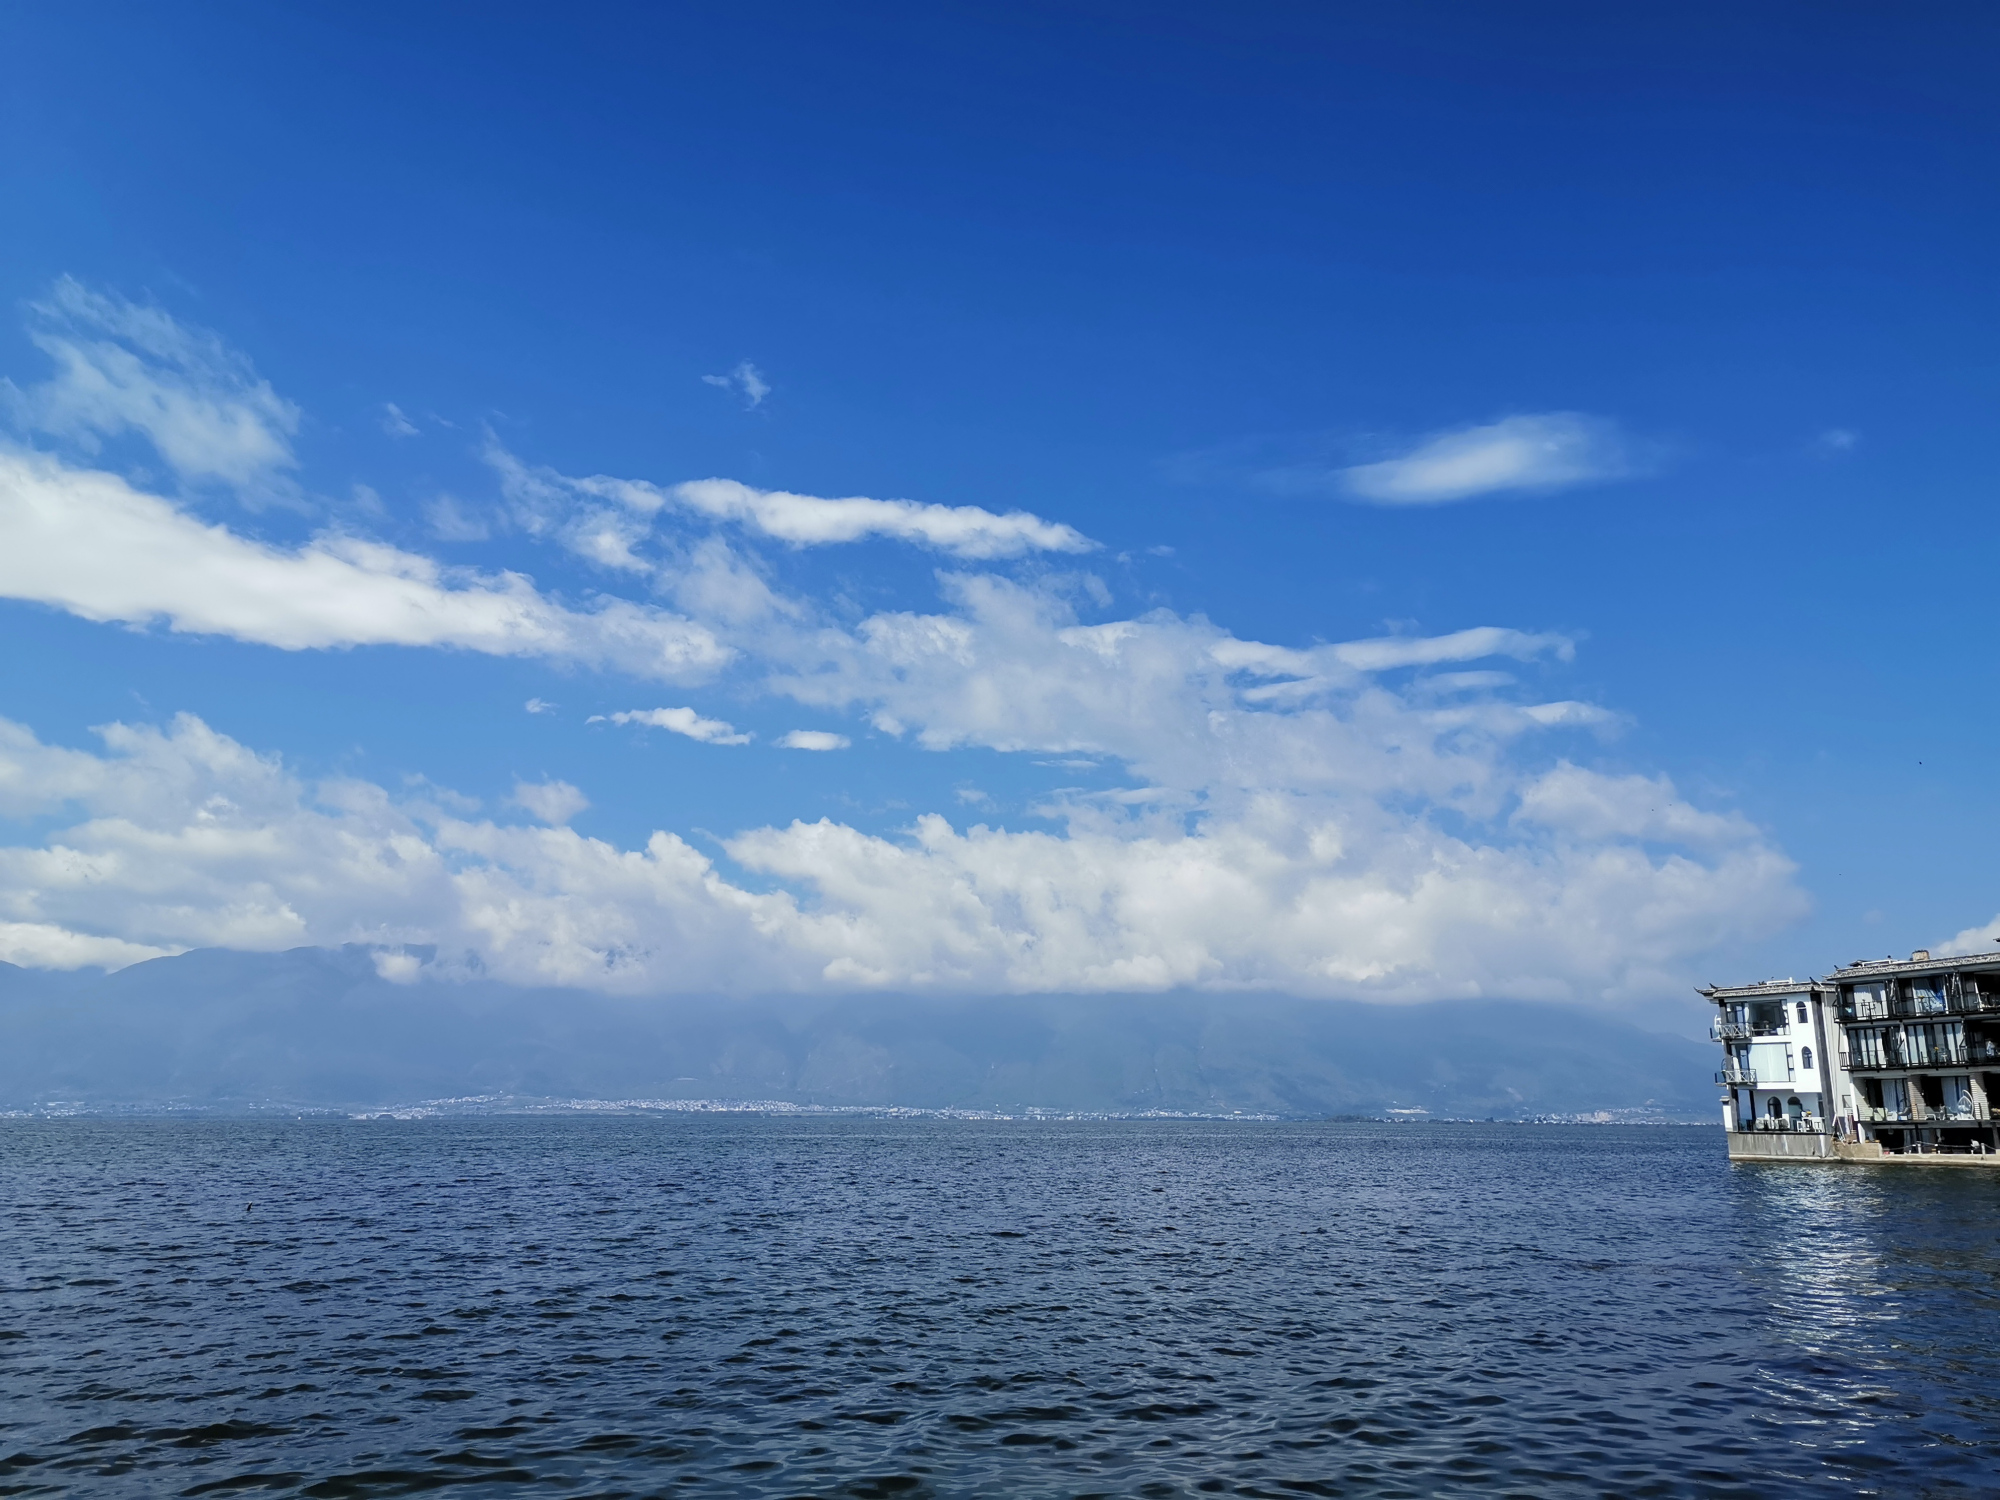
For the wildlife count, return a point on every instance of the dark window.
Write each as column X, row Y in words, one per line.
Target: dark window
column 1802, row 1013
column 1805, row 1057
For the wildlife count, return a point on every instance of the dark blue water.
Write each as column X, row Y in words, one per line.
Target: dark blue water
column 783, row 1307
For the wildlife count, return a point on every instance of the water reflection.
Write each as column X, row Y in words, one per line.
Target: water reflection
column 1876, row 1287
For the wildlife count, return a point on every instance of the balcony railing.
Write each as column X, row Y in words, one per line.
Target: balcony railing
column 1916, row 1007
column 1895, row 1060
column 1784, row 1125
column 1742, row 1031
column 1734, row 1074
column 1870, row 1114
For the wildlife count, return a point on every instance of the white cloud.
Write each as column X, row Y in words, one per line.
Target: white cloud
column 1837, row 440
column 398, row 966
column 89, row 543
column 814, row 739
column 681, row 721
column 539, row 706
column 1591, row 807
column 607, row 520
column 554, row 802
column 1546, row 451
column 121, row 368
column 185, row 838
column 41, row 945
column 1981, row 939
column 1476, row 644
column 809, row 521
column 746, row 380
column 395, row 423
column 1331, row 819
column 1181, row 702
column 714, row 581
column 1309, row 905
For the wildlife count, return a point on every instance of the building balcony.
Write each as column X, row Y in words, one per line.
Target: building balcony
column 1919, row 1007
column 1891, row 1062
column 1733, row 1074
column 1783, row 1125
column 1743, row 1031
column 1869, row 1115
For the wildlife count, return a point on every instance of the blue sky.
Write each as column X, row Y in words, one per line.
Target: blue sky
column 1662, row 346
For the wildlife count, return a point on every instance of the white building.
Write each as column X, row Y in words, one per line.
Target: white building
column 1775, row 1072
column 1878, row 1059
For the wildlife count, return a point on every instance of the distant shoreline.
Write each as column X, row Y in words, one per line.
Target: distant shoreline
column 505, row 1107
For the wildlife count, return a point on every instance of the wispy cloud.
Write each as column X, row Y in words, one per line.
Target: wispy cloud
column 89, row 543
column 122, row 368
column 449, row 519
column 1537, row 452
column 607, row 519
column 814, row 739
column 680, row 721
column 1385, row 653
column 598, row 517
column 395, row 423
column 746, row 380
column 553, row 802
column 808, row 521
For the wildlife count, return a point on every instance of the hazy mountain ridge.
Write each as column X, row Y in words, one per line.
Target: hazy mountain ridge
column 319, row 1028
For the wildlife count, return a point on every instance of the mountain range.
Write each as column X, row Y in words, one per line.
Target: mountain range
column 319, row 1028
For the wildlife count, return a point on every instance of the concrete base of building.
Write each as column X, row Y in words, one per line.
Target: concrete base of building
column 1788, row 1145
column 1798, row 1146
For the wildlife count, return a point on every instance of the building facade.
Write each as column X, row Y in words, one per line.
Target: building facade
column 1878, row 1059
column 1775, row 1074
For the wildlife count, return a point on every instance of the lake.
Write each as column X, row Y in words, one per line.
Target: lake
column 780, row 1306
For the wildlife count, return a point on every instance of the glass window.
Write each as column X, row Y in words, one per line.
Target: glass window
column 1805, row 1057
column 1802, row 1013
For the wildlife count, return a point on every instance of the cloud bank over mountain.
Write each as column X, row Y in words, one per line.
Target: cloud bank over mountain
column 322, row 1028
column 1392, row 818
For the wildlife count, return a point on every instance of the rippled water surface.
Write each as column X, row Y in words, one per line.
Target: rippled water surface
column 785, row 1307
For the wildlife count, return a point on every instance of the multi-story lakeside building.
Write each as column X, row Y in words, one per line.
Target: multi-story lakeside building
column 1776, row 1075
column 1877, row 1060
